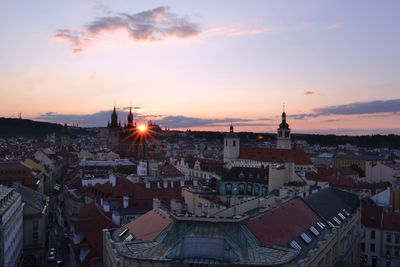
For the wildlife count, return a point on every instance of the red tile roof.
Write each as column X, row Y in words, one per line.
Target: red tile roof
column 371, row 216
column 170, row 170
column 148, row 226
column 377, row 217
column 91, row 222
column 282, row 225
column 299, row 157
column 346, row 183
column 17, row 171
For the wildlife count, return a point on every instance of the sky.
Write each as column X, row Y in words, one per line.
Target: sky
column 334, row 65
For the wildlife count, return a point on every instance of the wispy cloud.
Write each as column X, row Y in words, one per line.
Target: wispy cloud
column 100, row 119
column 358, row 108
column 236, row 31
column 151, row 25
column 335, row 25
column 308, row 92
column 378, row 106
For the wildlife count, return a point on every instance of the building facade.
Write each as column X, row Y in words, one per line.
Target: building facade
column 11, row 230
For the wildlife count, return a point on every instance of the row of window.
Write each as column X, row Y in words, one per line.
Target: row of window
column 389, row 237
column 12, row 172
column 248, row 189
column 205, row 205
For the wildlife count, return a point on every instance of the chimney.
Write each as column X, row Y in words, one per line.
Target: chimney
column 112, row 179
column 125, row 201
column 116, row 218
column 106, row 206
column 156, row 203
column 148, row 185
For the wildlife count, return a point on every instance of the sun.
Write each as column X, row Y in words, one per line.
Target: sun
column 142, row 128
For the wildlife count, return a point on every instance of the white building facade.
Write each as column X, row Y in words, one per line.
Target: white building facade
column 11, row 228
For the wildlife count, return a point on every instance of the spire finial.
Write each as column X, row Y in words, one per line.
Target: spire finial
column 283, row 106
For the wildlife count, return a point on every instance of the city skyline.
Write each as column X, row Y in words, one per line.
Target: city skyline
column 201, row 66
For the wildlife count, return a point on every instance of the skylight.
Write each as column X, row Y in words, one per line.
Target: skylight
column 331, row 224
column 321, row 225
column 314, row 230
column 123, row 232
column 341, row 216
column 305, row 238
column 295, row 245
column 129, row 238
column 337, row 220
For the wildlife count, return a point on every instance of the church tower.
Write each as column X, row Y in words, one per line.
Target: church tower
column 231, row 145
column 283, row 138
column 114, row 130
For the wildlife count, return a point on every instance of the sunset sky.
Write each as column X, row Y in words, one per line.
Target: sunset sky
column 203, row 64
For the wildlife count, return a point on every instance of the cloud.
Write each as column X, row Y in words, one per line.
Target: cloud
column 378, row 106
column 308, row 92
column 357, row 108
column 187, row 122
column 335, row 25
column 152, row 25
column 100, row 119
column 237, row 31
column 352, row 131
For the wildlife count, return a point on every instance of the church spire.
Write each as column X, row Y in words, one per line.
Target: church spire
column 130, row 117
column 114, row 118
column 231, row 128
column 283, row 124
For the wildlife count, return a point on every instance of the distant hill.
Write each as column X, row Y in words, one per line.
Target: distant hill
column 10, row 127
column 373, row 141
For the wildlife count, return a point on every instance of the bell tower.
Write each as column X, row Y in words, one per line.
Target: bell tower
column 283, row 137
column 231, row 145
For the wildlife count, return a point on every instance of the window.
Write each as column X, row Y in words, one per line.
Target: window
column 372, row 247
column 228, row 188
column 396, row 251
column 388, row 264
column 200, row 205
column 374, row 261
column 249, row 189
column 372, row 234
column 241, row 188
column 295, row 245
column 305, row 238
column 35, row 232
column 388, row 251
column 388, row 237
column 257, row 190
column 263, row 190
column 314, row 230
column 362, row 246
column 397, row 238
column 234, row 143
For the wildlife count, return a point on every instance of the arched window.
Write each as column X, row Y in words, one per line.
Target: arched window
column 256, row 190
column 241, row 188
column 249, row 189
column 228, row 188
column 234, row 143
